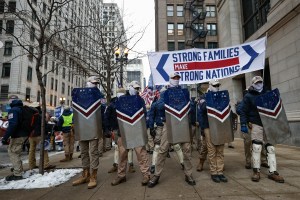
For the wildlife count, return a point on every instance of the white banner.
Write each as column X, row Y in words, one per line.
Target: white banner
column 202, row 65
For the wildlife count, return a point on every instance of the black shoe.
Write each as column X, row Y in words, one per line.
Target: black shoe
column 248, row 166
column 50, row 167
column 152, row 169
column 168, row 155
column 77, row 149
column 190, row 180
column 215, row 178
column 151, row 152
column 265, row 165
column 223, row 178
column 153, row 181
column 182, row 166
column 13, row 178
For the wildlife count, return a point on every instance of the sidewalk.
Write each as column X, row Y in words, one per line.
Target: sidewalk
column 172, row 184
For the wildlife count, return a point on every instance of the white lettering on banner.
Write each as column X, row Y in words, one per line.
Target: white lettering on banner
column 202, row 65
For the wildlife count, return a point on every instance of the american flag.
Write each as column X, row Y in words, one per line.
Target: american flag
column 147, row 95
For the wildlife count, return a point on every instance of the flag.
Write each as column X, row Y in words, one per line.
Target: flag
column 147, row 95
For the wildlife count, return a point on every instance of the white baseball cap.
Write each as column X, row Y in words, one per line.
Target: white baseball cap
column 256, row 79
column 93, row 79
column 174, row 74
column 214, row 82
column 134, row 84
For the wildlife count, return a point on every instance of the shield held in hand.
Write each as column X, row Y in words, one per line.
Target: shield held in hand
column 273, row 117
column 219, row 117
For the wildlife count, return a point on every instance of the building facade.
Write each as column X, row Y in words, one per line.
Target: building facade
column 134, row 71
column 247, row 20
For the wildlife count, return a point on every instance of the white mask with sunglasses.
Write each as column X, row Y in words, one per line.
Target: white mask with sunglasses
column 214, row 88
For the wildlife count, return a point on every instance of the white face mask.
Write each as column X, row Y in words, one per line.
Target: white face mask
column 214, row 89
column 90, row 85
column 120, row 94
column 174, row 83
column 258, row 86
column 132, row 91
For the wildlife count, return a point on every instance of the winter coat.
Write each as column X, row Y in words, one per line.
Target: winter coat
column 202, row 113
column 66, row 129
column 193, row 112
column 248, row 110
column 14, row 129
column 157, row 113
column 110, row 116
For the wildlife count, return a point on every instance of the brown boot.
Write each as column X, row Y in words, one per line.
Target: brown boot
column 84, row 178
column 256, row 175
column 131, row 168
column 145, row 180
column 66, row 159
column 118, row 180
column 71, row 156
column 275, row 177
column 200, row 165
column 93, row 179
column 114, row 168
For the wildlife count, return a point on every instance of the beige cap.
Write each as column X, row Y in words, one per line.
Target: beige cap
column 34, row 104
column 214, row 82
column 256, row 79
column 93, row 79
column 121, row 90
column 174, row 74
column 134, row 84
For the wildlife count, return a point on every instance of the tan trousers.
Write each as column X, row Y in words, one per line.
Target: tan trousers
column 142, row 157
column 69, row 141
column 14, row 151
column 33, row 141
column 203, row 150
column 163, row 151
column 215, row 155
column 86, row 148
column 195, row 139
column 150, row 144
column 257, row 133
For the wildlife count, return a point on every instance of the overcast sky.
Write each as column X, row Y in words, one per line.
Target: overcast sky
column 139, row 14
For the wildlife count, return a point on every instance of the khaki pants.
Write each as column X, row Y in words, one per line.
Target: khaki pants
column 150, row 144
column 195, row 138
column 215, row 155
column 33, row 141
column 257, row 133
column 86, row 148
column 14, row 152
column 142, row 157
column 203, row 150
column 69, row 142
column 163, row 151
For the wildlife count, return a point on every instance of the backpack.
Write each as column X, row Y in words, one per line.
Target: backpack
column 29, row 118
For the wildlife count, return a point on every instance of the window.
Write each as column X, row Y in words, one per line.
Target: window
column 29, row 74
column 64, row 73
column 33, row 15
column 68, row 90
column 171, row 46
column 210, row 11
column 51, row 100
column 179, row 29
column 52, row 83
column 56, row 70
column 34, row 2
column 56, row 83
column 170, row 10
column 8, row 48
column 27, row 96
column 6, row 70
column 170, row 29
column 45, row 80
column 212, row 45
column 44, row 8
column 53, row 66
column 197, row 10
column 55, row 98
column 200, row 45
column 2, row 5
column 1, row 26
column 46, row 62
column 63, row 88
column 254, row 15
column 10, row 26
column 38, row 96
column 30, row 56
column 198, row 26
column 32, row 34
column 212, row 29
column 12, row 6
column 4, row 92
column 181, row 45
column 179, row 10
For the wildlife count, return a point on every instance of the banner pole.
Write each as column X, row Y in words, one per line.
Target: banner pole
column 266, row 50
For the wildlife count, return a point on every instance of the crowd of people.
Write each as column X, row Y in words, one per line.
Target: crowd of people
column 152, row 156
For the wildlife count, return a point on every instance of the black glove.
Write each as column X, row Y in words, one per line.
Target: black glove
column 152, row 132
column 4, row 141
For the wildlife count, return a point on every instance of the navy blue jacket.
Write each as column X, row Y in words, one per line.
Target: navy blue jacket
column 14, row 129
column 248, row 110
column 147, row 119
column 110, row 116
column 157, row 113
column 193, row 112
column 202, row 113
column 60, row 123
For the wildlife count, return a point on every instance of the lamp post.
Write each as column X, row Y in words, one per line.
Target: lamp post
column 122, row 58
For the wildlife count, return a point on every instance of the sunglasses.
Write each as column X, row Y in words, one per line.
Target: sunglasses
column 216, row 85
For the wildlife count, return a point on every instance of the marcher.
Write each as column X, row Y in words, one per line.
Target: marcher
column 89, row 150
column 111, row 121
column 150, row 144
column 141, row 153
column 17, row 137
column 249, row 113
column 35, row 139
column 164, row 144
column 215, row 152
column 65, row 122
column 195, row 139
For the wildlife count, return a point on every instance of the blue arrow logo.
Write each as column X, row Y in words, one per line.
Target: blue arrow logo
column 249, row 50
column 160, row 66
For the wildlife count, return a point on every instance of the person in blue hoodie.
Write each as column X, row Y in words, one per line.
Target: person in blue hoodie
column 65, row 122
column 17, row 137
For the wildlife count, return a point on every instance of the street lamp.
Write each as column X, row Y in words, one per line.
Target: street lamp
column 62, row 100
column 122, row 58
